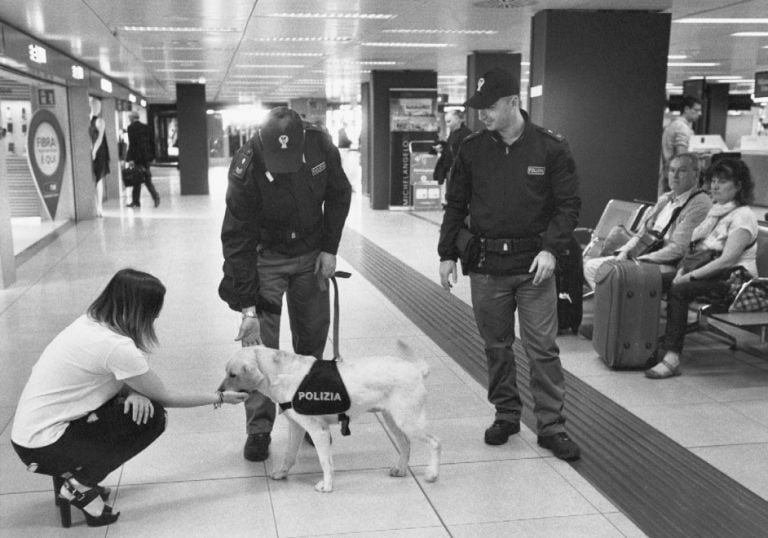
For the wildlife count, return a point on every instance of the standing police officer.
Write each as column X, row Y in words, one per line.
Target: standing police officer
column 287, row 201
column 518, row 183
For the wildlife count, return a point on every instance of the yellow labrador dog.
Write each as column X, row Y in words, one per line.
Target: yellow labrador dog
column 390, row 385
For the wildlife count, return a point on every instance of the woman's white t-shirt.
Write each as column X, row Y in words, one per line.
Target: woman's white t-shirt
column 741, row 218
column 79, row 371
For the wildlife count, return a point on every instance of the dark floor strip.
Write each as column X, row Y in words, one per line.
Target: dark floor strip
column 660, row 485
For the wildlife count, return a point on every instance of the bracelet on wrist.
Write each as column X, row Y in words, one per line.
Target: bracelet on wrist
column 220, row 399
column 691, row 277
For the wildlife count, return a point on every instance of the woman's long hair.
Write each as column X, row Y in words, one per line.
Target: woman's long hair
column 129, row 305
column 735, row 170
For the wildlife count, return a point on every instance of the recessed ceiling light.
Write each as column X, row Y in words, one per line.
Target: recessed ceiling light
column 750, row 34
column 301, row 39
column 183, row 70
column 269, row 66
column 436, row 31
column 405, row 44
column 721, row 20
column 278, row 54
column 329, row 15
column 676, row 57
column 257, row 76
column 176, row 29
column 692, row 64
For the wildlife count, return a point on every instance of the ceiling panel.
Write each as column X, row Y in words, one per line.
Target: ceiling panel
column 248, row 50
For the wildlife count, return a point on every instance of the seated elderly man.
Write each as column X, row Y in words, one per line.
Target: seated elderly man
column 674, row 217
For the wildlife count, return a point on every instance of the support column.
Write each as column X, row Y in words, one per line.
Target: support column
column 82, row 164
column 598, row 78
column 193, row 138
column 112, row 181
column 482, row 62
column 366, row 168
column 7, row 257
column 380, row 145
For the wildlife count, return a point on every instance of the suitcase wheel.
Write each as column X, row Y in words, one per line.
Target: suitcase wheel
column 653, row 293
column 648, row 345
column 626, row 345
column 630, row 294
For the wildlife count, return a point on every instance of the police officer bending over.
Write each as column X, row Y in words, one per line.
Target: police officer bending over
column 287, row 201
column 518, row 183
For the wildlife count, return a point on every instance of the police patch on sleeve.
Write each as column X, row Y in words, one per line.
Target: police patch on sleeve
column 319, row 168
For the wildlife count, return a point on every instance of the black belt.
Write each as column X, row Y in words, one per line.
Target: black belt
column 510, row 246
column 279, row 236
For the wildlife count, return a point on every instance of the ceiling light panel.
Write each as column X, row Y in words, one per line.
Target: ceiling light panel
column 433, row 31
column 327, row 15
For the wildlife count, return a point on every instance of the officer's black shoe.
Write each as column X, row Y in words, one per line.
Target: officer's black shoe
column 133, row 204
column 561, row 446
column 499, row 432
column 157, row 201
column 257, row 447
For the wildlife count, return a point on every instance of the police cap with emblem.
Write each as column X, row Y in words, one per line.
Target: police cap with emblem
column 492, row 86
column 282, row 140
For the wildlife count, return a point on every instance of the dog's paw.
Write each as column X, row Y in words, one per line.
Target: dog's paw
column 398, row 472
column 322, row 488
column 430, row 477
column 278, row 475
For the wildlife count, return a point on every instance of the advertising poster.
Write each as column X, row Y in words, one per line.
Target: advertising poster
column 47, row 157
column 412, row 117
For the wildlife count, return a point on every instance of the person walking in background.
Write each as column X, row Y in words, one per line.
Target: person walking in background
column 92, row 402
column 99, row 153
column 517, row 182
column 457, row 131
column 287, row 201
column 141, row 152
column 676, row 137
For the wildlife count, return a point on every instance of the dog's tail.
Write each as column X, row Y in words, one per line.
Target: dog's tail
column 407, row 353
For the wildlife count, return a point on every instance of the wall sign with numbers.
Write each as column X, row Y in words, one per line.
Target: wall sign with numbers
column 47, row 157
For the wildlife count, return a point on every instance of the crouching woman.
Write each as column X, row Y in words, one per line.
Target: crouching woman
column 92, row 401
column 726, row 239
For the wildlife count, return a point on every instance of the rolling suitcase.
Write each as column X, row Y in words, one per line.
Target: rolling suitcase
column 627, row 304
column 569, row 280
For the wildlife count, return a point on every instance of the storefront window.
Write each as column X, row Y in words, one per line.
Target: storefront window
column 38, row 178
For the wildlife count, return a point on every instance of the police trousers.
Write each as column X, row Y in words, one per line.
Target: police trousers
column 95, row 445
column 495, row 299
column 308, row 313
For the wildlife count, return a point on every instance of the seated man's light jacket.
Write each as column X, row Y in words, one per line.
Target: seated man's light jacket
column 678, row 235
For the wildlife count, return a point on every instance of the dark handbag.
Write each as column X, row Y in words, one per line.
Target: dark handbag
column 697, row 258
column 132, row 176
column 650, row 241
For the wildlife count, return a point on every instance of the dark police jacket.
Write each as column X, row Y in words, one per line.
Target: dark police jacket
column 292, row 214
column 526, row 190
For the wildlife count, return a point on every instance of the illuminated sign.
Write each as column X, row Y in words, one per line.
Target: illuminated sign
column 106, row 85
column 37, row 54
column 144, row 103
column 131, row 98
column 78, row 72
column 761, row 84
column 47, row 157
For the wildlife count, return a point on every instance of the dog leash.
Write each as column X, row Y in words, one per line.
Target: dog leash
column 337, row 274
column 343, row 417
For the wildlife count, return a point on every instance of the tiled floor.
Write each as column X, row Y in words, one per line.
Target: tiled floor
column 194, row 482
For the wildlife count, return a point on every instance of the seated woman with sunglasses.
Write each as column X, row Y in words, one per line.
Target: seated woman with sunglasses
column 726, row 239
column 92, row 401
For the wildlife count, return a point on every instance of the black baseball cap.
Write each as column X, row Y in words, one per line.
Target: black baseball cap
column 282, row 140
column 492, row 86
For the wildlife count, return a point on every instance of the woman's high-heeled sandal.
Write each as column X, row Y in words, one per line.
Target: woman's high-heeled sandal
column 84, row 498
